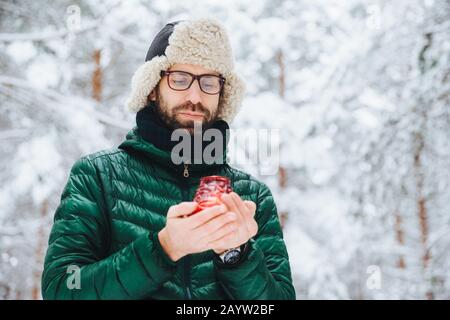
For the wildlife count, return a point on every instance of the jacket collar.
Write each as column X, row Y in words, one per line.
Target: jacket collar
column 151, row 139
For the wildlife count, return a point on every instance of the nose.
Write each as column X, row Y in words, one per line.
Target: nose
column 194, row 94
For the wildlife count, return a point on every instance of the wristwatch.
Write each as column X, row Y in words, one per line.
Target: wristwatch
column 231, row 256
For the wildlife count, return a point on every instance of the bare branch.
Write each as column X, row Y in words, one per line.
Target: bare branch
column 62, row 100
column 40, row 36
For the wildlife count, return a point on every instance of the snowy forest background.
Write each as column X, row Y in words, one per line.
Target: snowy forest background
column 360, row 90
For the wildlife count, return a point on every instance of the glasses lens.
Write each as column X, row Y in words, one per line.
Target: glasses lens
column 210, row 84
column 179, row 80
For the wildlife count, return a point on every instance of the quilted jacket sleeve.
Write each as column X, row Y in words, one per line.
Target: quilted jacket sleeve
column 264, row 271
column 78, row 245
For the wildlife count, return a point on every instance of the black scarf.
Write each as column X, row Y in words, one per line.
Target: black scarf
column 154, row 130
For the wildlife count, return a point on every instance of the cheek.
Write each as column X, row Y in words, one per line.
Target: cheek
column 213, row 102
column 170, row 101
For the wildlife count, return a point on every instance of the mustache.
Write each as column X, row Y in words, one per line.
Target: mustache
column 188, row 106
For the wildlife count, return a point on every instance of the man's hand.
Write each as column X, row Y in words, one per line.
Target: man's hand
column 246, row 226
column 182, row 236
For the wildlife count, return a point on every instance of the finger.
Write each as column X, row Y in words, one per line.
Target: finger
column 247, row 215
column 251, row 207
column 226, row 229
column 239, row 203
column 205, row 230
column 234, row 201
column 227, row 199
column 205, row 215
column 253, row 228
column 181, row 209
column 228, row 241
column 241, row 208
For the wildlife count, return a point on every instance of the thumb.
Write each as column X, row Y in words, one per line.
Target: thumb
column 181, row 209
column 251, row 206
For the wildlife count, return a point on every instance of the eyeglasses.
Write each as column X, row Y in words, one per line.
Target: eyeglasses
column 182, row 80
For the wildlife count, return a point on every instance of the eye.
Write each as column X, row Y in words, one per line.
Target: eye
column 179, row 79
column 210, row 82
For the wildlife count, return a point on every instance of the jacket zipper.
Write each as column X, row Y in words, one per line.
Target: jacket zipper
column 187, row 277
column 186, row 259
column 186, row 171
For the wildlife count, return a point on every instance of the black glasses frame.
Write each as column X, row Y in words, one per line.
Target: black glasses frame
column 194, row 77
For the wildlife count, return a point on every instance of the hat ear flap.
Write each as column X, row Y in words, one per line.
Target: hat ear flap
column 233, row 93
column 144, row 81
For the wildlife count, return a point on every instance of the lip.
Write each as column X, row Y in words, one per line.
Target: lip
column 194, row 115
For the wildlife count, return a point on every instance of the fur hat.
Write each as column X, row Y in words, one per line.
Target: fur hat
column 202, row 42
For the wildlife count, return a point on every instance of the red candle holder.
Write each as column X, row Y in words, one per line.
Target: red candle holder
column 210, row 190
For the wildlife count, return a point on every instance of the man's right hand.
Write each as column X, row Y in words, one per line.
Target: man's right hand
column 182, row 236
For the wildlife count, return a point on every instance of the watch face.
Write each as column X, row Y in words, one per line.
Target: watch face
column 232, row 257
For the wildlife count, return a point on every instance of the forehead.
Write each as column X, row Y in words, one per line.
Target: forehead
column 195, row 69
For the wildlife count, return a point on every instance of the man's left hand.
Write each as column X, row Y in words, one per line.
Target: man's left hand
column 245, row 224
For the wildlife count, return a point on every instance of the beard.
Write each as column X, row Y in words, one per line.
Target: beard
column 171, row 116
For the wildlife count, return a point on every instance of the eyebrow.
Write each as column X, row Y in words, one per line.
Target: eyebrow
column 197, row 74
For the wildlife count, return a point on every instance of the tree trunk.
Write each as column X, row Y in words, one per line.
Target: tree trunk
column 282, row 176
column 421, row 206
column 282, row 182
column 97, row 77
column 419, row 144
column 282, row 75
column 400, row 237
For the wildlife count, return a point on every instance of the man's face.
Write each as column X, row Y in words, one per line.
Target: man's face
column 180, row 109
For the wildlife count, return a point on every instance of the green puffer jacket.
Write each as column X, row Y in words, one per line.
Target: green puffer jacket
column 107, row 223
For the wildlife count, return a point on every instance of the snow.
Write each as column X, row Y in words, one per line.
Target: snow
column 45, row 159
column 43, row 74
column 21, row 51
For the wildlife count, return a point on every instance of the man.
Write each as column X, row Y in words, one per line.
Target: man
column 124, row 228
